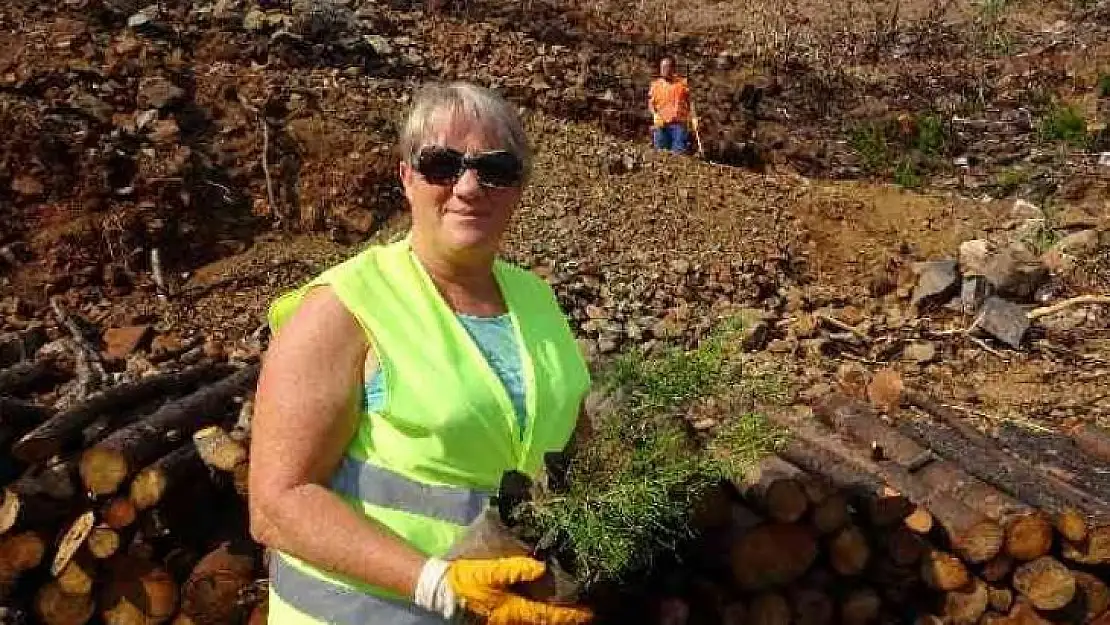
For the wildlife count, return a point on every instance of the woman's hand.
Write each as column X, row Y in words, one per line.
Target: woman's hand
column 482, row 587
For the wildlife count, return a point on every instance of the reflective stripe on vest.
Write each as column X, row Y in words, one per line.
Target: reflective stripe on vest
column 381, row 487
column 329, row 603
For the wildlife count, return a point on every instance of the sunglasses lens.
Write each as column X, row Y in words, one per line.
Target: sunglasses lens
column 439, row 165
column 499, row 169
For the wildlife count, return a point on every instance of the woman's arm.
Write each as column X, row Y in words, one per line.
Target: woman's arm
column 305, row 415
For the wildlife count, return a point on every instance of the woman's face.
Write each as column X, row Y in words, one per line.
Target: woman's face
column 463, row 217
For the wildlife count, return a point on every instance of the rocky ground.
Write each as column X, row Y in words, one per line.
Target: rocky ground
column 178, row 164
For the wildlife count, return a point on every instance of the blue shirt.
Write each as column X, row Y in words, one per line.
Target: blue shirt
column 496, row 339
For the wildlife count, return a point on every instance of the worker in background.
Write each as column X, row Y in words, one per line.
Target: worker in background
column 402, row 384
column 671, row 109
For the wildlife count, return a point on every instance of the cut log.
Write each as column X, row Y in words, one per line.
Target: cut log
column 849, row 551
column 179, row 469
column 105, row 466
column 997, row 569
column 56, row 607
column 976, row 537
column 57, row 480
column 1094, row 551
column 811, row 607
column 19, row 553
column 964, row 606
column 1023, row 613
column 209, row 596
column 831, row 515
column 1028, row 537
column 1092, row 440
column 77, row 576
column 903, row 546
column 773, row 555
column 1045, row 583
column 32, row 511
column 994, row 466
column 1072, row 525
column 1093, row 594
column 943, row 571
column 24, row 377
column 118, row 513
column 947, row 477
column 862, row 606
column 769, row 608
column 819, row 452
column 65, row 428
column 920, row 521
column 776, row 487
column 1001, row 598
column 103, row 542
column 71, row 541
column 218, row 450
column 137, row 591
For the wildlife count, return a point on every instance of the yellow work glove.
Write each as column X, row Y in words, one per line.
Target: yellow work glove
column 483, row 588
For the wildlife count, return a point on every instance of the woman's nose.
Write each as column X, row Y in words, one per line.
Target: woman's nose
column 467, row 184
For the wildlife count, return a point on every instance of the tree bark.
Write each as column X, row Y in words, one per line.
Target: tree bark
column 19, row 553
column 17, row 416
column 1092, row 440
column 24, row 377
column 65, row 429
column 19, row 511
column 105, row 466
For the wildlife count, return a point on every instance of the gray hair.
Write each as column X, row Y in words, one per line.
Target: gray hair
column 471, row 102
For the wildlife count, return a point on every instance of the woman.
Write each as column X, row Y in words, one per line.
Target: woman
column 401, row 384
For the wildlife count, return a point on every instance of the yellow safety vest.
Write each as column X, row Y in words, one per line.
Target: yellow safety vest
column 425, row 464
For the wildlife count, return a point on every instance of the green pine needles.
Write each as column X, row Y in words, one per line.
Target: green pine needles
column 633, row 487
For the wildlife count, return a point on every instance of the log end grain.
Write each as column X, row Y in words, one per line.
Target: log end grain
column 785, row 500
column 210, row 594
column 904, row 547
column 77, row 576
column 812, row 607
column 55, row 607
column 1072, row 525
column 862, row 606
column 831, row 515
column 849, row 551
column 118, row 513
column 9, row 510
column 137, row 589
column 217, row 449
column 772, row 555
column 147, row 488
column 980, row 541
column 102, row 470
column 943, row 571
column 72, row 540
column 1045, row 583
column 920, row 521
column 1028, row 537
column 103, row 542
column 965, row 605
column 998, row 568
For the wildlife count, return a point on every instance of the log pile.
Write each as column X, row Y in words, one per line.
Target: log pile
column 859, row 520
column 127, row 506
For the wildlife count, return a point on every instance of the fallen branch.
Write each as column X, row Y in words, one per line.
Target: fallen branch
column 265, row 153
column 90, row 352
column 1044, row 311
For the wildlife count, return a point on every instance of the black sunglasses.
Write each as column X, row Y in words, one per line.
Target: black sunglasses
column 444, row 166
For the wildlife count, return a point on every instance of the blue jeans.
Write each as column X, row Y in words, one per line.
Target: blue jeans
column 674, row 137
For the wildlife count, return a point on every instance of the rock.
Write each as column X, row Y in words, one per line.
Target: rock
column 1079, row 244
column 119, row 343
column 158, row 92
column 1012, row 271
column 1003, row 320
column 379, row 44
column 973, row 292
column 755, row 330
column 921, row 352
column 1023, row 209
column 885, row 390
column 937, row 282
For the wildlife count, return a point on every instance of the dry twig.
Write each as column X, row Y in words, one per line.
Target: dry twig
column 1044, row 311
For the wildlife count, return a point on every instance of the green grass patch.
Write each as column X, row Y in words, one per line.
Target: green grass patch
column 870, row 141
column 1011, row 179
column 1103, row 85
column 1063, row 123
column 634, row 486
column 931, row 139
column 906, row 175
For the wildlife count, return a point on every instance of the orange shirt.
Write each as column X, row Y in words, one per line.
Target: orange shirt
column 670, row 99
